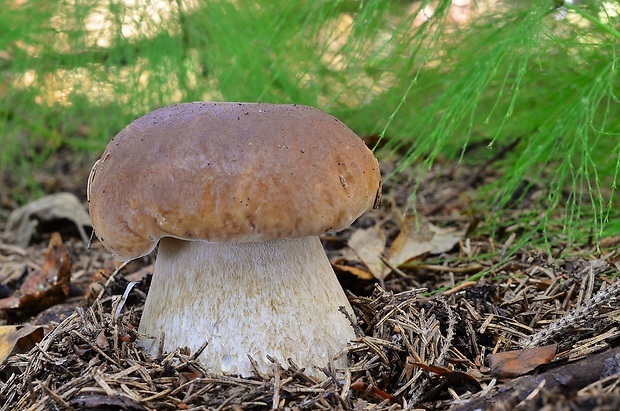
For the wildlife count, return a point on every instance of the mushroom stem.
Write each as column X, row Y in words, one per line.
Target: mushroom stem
column 277, row 298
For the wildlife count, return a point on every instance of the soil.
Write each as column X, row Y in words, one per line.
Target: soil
column 465, row 322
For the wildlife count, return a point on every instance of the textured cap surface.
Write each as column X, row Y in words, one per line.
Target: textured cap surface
column 229, row 172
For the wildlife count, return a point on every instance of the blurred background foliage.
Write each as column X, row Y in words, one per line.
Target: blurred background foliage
column 443, row 79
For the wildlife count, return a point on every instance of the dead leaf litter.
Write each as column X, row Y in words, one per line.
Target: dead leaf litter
column 430, row 328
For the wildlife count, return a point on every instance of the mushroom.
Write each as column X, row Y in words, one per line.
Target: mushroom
column 237, row 195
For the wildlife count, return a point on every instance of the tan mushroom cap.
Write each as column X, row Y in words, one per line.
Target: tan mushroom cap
column 229, row 172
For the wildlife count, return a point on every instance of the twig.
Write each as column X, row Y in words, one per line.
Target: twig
column 572, row 376
column 584, row 312
column 275, row 403
column 55, row 397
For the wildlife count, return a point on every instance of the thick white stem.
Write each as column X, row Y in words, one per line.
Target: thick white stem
column 277, row 298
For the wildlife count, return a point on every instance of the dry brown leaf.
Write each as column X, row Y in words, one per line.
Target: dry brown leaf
column 349, row 262
column 511, row 364
column 340, row 265
column 374, row 391
column 23, row 221
column 45, row 287
column 16, row 339
column 450, row 375
column 419, row 238
column 369, row 245
column 141, row 273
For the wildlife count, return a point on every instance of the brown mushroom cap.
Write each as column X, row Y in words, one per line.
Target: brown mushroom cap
column 229, row 172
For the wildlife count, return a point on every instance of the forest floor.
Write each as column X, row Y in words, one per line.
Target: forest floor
column 450, row 315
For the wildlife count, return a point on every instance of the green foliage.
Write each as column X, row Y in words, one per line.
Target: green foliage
column 530, row 76
column 532, row 81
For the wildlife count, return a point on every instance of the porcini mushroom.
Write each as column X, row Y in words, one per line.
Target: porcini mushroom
column 236, row 194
